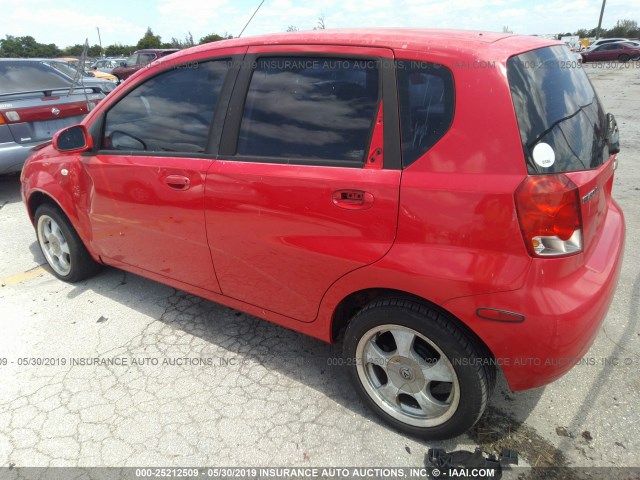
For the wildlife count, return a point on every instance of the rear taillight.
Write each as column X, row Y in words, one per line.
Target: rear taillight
column 549, row 214
column 12, row 116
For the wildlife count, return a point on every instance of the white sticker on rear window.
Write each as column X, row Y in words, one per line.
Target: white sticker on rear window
column 544, row 155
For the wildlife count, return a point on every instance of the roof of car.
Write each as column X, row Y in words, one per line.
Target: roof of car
column 396, row 38
column 23, row 59
column 145, row 50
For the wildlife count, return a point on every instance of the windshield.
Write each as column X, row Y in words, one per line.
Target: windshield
column 558, row 111
column 17, row 76
column 132, row 60
column 67, row 68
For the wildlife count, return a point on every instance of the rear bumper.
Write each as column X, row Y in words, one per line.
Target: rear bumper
column 564, row 302
column 13, row 156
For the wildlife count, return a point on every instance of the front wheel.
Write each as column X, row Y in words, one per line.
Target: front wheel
column 417, row 369
column 61, row 246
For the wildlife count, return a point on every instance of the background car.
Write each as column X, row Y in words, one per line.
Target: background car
column 622, row 51
column 604, row 41
column 84, row 78
column 74, row 62
column 106, row 65
column 36, row 102
column 138, row 60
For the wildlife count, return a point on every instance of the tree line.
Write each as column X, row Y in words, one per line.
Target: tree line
column 28, row 47
column 622, row 29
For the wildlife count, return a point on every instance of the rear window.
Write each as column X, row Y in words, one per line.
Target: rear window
column 310, row 108
column 426, row 106
column 562, row 123
column 18, row 77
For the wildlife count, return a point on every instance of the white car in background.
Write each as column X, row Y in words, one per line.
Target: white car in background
column 107, row 64
column 602, row 41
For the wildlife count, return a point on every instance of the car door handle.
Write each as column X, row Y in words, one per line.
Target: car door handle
column 177, row 182
column 352, row 199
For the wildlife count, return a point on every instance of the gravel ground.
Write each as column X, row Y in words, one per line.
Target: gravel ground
column 270, row 397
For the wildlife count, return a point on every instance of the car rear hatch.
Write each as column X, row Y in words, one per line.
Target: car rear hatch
column 569, row 145
column 36, row 116
column 35, row 103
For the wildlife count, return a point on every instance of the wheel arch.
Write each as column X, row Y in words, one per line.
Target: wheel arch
column 39, row 197
column 350, row 305
column 36, row 198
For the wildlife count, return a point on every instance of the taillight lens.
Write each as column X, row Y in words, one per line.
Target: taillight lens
column 549, row 214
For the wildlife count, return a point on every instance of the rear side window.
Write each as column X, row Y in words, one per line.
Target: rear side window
column 171, row 112
column 562, row 123
column 426, row 106
column 310, row 108
column 27, row 76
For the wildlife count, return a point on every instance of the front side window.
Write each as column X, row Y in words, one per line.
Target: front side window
column 426, row 106
column 171, row 112
column 310, row 108
column 132, row 60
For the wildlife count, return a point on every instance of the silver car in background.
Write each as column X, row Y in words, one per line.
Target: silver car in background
column 35, row 102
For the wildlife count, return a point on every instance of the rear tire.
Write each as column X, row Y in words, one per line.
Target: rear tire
column 62, row 247
column 418, row 370
column 624, row 58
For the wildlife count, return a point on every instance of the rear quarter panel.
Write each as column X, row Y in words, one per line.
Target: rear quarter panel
column 458, row 231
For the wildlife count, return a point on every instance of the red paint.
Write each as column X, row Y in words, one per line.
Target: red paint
column 288, row 246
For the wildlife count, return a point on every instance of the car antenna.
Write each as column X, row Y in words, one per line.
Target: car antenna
column 254, row 14
column 80, row 72
column 77, row 76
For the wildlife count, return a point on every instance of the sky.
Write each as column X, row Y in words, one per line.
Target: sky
column 69, row 22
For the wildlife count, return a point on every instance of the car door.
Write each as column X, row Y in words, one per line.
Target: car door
column 606, row 52
column 148, row 178
column 306, row 185
column 613, row 51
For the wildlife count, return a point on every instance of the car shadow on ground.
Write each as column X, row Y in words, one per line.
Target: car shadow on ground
column 303, row 359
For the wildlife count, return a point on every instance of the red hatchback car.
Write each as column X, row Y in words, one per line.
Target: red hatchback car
column 439, row 201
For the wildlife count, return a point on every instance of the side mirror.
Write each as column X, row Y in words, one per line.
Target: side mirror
column 73, row 139
column 613, row 134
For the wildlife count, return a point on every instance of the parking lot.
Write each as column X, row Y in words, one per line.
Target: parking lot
column 123, row 371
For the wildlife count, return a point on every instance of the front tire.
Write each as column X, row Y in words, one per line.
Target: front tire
column 61, row 246
column 415, row 368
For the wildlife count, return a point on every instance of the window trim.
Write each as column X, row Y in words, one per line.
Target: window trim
column 387, row 93
column 210, row 149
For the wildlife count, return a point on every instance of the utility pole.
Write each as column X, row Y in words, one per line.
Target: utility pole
column 100, row 40
column 600, row 21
